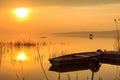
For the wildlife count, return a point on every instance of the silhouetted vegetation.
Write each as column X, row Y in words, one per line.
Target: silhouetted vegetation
column 117, row 44
column 81, row 34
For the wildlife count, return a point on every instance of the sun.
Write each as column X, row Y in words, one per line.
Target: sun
column 21, row 12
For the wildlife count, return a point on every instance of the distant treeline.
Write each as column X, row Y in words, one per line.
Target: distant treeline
column 105, row 34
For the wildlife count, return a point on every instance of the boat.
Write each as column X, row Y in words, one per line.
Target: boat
column 91, row 36
column 77, row 58
column 111, row 57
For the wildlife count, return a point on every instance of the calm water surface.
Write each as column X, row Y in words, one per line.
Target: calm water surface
column 31, row 62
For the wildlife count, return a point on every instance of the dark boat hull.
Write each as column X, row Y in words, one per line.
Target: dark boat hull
column 111, row 57
column 76, row 58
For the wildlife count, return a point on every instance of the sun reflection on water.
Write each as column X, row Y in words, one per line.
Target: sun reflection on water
column 22, row 56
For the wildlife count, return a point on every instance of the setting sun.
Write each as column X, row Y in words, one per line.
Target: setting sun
column 21, row 12
column 21, row 56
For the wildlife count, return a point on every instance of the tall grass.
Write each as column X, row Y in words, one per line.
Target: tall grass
column 117, row 44
column 41, row 63
column 59, row 77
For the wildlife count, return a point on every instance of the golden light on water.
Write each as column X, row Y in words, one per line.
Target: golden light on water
column 21, row 12
column 21, row 56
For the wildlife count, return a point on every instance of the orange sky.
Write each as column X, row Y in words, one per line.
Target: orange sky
column 58, row 17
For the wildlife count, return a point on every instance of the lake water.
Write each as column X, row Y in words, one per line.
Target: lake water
column 31, row 62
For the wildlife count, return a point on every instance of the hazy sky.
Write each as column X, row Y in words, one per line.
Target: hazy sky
column 49, row 16
column 57, row 2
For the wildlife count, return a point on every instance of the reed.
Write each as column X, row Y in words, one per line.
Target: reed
column 77, row 76
column 41, row 63
column 100, row 78
column 59, row 77
column 17, row 76
column 68, row 77
column 117, row 44
column 56, row 54
column 87, row 78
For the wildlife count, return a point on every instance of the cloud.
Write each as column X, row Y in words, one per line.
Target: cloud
column 58, row 2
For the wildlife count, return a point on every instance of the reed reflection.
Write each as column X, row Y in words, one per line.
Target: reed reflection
column 3, row 51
